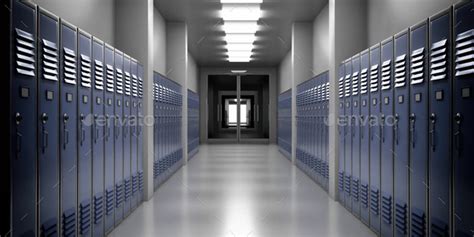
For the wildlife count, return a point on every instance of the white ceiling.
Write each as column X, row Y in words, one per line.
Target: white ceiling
column 205, row 34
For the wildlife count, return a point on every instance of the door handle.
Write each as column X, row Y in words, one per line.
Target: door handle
column 433, row 132
column 363, row 126
column 412, row 129
column 353, row 119
column 116, row 127
column 372, row 130
column 107, row 125
column 19, row 136
column 96, row 129
column 83, row 131
column 45, row 135
column 382, row 129
column 125, row 127
column 457, row 133
column 66, row 131
column 397, row 118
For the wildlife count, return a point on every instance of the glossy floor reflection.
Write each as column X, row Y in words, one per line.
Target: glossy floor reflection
column 240, row 191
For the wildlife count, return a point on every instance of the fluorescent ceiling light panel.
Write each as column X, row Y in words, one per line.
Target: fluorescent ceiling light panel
column 239, row 38
column 239, row 47
column 241, row 12
column 240, row 27
column 238, row 60
column 239, row 54
column 241, row 1
column 238, row 71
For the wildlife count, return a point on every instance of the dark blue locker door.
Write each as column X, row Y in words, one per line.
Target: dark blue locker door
column 463, row 116
column 48, row 123
column 140, row 134
column 348, row 134
column 440, row 123
column 68, row 128
column 156, row 151
column 355, row 135
column 364, row 137
column 375, row 140
column 126, row 136
column 118, row 140
column 98, row 138
column 401, row 133
column 133, row 131
column 418, row 129
column 23, row 117
column 85, row 134
column 109, row 138
column 340, row 179
column 386, row 130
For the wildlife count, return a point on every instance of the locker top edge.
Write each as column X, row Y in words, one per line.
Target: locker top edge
column 47, row 13
column 419, row 24
column 389, row 39
column 126, row 56
column 377, row 45
column 29, row 3
column 364, row 52
column 109, row 46
column 461, row 3
column 404, row 31
column 68, row 24
column 352, row 58
column 95, row 39
column 83, row 32
column 133, row 60
column 118, row 51
column 441, row 13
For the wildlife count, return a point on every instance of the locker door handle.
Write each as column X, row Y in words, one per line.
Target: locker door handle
column 66, row 131
column 125, row 128
column 45, row 135
column 363, row 126
column 433, row 132
column 19, row 136
column 83, row 131
column 96, row 129
column 457, row 133
column 353, row 119
column 107, row 131
column 412, row 129
column 397, row 119
column 382, row 129
column 372, row 130
column 116, row 127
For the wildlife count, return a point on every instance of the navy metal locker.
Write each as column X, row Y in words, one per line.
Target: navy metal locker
column 463, row 143
column 386, row 130
column 85, row 134
column 156, row 137
column 109, row 151
column 140, row 133
column 341, row 127
column 133, row 132
column 355, row 134
column 348, row 135
column 126, row 135
column 375, row 139
column 48, row 123
column 401, row 133
column 418, row 129
column 98, row 137
column 118, row 141
column 23, row 119
column 68, row 128
column 364, row 137
column 440, row 123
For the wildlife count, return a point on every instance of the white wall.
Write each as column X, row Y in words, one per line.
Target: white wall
column 176, row 52
column 284, row 74
column 159, row 42
column 193, row 74
column 95, row 17
column 388, row 17
column 321, row 42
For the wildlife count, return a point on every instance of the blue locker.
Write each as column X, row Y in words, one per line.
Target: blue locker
column 118, row 140
column 109, row 151
column 401, row 133
column 355, row 136
column 127, row 136
column 375, row 138
column 326, row 132
column 364, row 137
column 48, row 123
column 68, row 128
column 463, row 143
column 140, row 133
column 386, row 130
column 341, row 127
column 418, row 129
column 133, row 133
column 98, row 138
column 348, row 134
column 23, row 119
column 440, row 123
column 85, row 134
column 156, row 135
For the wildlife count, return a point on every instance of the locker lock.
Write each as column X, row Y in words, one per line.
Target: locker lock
column 458, row 118
column 82, row 117
column 412, row 117
column 65, row 118
column 18, row 118
column 44, row 118
column 433, row 118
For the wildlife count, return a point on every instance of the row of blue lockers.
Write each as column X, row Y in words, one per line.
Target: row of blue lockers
column 405, row 136
column 312, row 131
column 75, row 139
column 284, row 123
column 193, row 123
column 168, row 147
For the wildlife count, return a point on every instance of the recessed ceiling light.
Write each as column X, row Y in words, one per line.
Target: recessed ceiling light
column 239, row 60
column 241, row 12
column 239, row 54
column 241, row 1
column 240, row 27
column 239, row 38
column 239, row 47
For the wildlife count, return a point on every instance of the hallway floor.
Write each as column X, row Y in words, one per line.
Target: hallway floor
column 240, row 191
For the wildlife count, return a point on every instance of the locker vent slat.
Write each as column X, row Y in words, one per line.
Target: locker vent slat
column 25, row 53
column 465, row 53
column 439, row 60
column 119, row 80
column 400, row 71
column 355, row 189
column 355, row 83
column 364, row 81
column 50, row 61
column 387, row 208
column 374, row 200
column 364, row 194
column 110, row 78
column 99, row 75
column 49, row 228
column 374, row 78
column 418, row 222
column 128, row 84
column 134, row 85
column 98, row 208
column 417, row 66
column 439, row 228
column 69, row 222
column 347, row 85
column 84, row 216
column 70, row 68
column 341, row 87
column 387, row 75
column 86, row 71
column 109, row 201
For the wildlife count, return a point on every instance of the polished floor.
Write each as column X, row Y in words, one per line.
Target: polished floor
column 240, row 191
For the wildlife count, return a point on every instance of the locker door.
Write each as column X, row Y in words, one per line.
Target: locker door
column 440, row 123
column 126, row 136
column 48, row 123
column 401, row 133
column 375, row 138
column 23, row 119
column 140, row 134
column 98, row 137
column 340, row 180
column 85, row 134
column 118, row 141
column 418, row 129
column 386, row 130
column 364, row 137
column 156, row 135
column 68, row 128
column 133, row 133
column 355, row 134
column 109, row 138
column 326, row 138
column 463, row 117
column 348, row 135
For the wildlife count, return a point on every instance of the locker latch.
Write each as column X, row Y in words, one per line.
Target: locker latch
column 83, row 131
column 18, row 119
column 457, row 133
column 44, row 120
column 432, row 131
column 96, row 134
column 397, row 119
column 107, row 134
column 66, row 131
column 382, row 129
column 412, row 129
